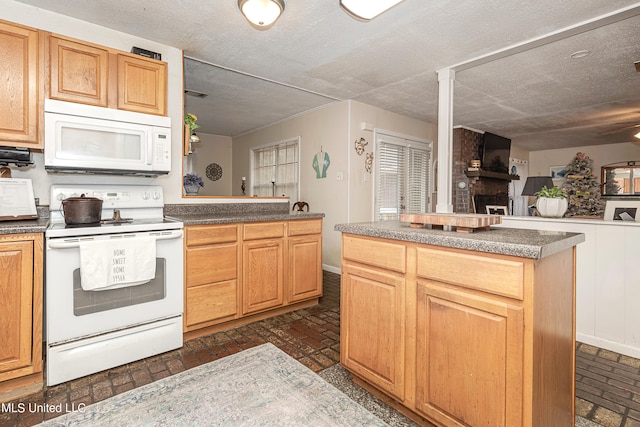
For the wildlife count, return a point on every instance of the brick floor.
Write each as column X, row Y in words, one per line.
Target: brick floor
column 607, row 383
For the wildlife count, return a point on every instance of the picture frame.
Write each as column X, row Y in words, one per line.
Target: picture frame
column 497, row 210
column 622, row 210
column 557, row 172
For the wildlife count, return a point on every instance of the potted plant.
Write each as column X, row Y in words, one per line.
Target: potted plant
column 552, row 202
column 190, row 120
column 192, row 184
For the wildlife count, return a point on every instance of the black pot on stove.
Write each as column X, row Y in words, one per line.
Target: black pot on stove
column 82, row 210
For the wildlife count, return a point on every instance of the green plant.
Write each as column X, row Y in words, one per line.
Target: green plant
column 190, row 119
column 554, row 192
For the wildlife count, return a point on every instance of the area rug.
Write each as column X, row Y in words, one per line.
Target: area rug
column 340, row 378
column 261, row 386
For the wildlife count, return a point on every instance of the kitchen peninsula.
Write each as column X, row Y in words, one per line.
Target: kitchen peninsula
column 245, row 262
column 461, row 328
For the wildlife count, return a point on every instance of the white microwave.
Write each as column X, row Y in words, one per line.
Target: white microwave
column 82, row 138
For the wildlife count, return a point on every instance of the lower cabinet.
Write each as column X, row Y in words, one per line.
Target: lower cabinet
column 469, row 359
column 373, row 327
column 212, row 265
column 262, row 274
column 234, row 272
column 458, row 337
column 21, row 263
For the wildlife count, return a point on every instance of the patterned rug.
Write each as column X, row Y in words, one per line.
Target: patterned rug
column 261, row 386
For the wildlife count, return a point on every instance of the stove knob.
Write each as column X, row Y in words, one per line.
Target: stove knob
column 145, row 195
column 156, row 195
column 60, row 196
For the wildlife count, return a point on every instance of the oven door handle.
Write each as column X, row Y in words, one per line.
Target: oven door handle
column 175, row 234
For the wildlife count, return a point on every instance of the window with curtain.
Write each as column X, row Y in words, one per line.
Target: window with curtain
column 402, row 177
column 275, row 169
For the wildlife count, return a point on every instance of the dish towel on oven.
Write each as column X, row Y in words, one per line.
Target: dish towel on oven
column 117, row 263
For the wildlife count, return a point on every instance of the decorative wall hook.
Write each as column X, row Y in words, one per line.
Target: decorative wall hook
column 368, row 162
column 360, row 144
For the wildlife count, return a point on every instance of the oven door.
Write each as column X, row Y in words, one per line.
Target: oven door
column 73, row 313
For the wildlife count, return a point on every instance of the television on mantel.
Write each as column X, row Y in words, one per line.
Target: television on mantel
column 495, row 153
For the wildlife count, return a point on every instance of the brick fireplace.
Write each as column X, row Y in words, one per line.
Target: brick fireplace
column 476, row 191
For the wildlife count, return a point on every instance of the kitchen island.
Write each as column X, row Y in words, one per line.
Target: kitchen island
column 461, row 328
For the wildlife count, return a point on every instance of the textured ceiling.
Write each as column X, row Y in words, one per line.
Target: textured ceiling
column 316, row 54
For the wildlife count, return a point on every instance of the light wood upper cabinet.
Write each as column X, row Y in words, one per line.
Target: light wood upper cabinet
column 79, row 72
column 142, row 85
column 21, row 302
column 91, row 74
column 20, row 86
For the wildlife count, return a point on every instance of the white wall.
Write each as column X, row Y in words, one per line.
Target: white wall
column 361, row 183
column 344, row 195
column 324, row 128
column 212, row 149
column 539, row 161
column 42, row 19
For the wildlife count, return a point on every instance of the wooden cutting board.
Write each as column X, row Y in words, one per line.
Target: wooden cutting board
column 464, row 223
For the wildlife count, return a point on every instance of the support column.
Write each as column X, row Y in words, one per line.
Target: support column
column 446, row 80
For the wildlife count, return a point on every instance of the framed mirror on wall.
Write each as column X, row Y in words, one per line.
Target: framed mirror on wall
column 621, row 180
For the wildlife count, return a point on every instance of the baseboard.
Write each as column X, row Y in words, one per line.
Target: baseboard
column 332, row 269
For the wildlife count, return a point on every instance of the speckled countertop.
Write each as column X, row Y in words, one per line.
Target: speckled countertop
column 227, row 218
column 534, row 244
column 20, row 227
column 27, row 226
column 236, row 212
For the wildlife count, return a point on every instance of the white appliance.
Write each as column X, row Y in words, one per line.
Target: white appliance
column 87, row 139
column 90, row 331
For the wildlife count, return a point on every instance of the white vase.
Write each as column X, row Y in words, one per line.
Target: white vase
column 551, row 208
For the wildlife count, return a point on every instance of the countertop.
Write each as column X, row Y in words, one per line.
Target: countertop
column 227, row 217
column 534, row 244
column 24, row 226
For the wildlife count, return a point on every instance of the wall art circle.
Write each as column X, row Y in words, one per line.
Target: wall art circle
column 214, row 171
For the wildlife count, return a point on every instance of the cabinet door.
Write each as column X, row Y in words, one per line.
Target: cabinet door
column 142, row 85
column 79, row 72
column 372, row 334
column 469, row 358
column 262, row 275
column 16, row 300
column 19, row 86
column 305, row 268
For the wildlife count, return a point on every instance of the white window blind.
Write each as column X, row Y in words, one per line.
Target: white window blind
column 275, row 170
column 402, row 169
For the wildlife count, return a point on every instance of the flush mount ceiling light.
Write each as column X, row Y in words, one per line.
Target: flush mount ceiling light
column 262, row 14
column 637, row 135
column 366, row 10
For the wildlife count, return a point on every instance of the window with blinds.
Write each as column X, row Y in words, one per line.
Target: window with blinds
column 402, row 177
column 275, row 170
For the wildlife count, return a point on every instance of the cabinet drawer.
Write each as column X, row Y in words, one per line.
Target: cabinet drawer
column 206, row 234
column 298, row 228
column 494, row 275
column 210, row 302
column 263, row 230
column 377, row 253
column 209, row 264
